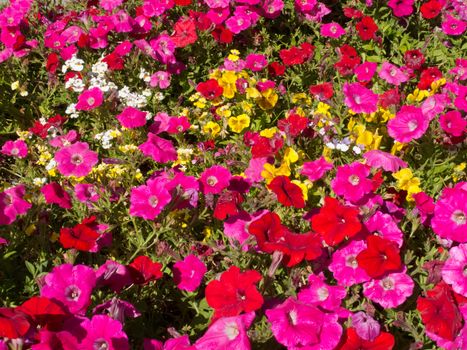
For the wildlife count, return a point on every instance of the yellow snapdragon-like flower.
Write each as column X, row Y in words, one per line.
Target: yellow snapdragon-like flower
column 418, row 95
column 252, row 92
column 270, row 171
column 234, row 55
column 397, row 147
column 268, row 99
column 303, row 187
column 227, row 82
column 212, row 128
column 238, row 123
column 269, row 133
column 459, row 171
column 437, row 84
column 407, row 182
column 224, row 111
column 290, row 156
column 130, row 148
column 301, row 97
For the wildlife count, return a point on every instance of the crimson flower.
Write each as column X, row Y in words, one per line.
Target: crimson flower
column 235, row 292
column 293, row 125
column 81, row 237
column 44, row 312
column 227, row 204
column 439, row 312
column 366, row 28
column 276, row 69
column 380, row 257
column 335, row 222
column 414, row 59
column 13, row 323
column 288, row 193
column 322, row 91
column 143, row 270
column 210, row 89
column 185, row 32
column 431, row 9
column 352, row 341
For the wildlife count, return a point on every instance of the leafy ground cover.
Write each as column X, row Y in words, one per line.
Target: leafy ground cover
column 233, row 174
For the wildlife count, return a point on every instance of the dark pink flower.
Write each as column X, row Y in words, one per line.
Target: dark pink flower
column 132, row 118
column 17, row 148
column 316, row 169
column 55, row 194
column 189, row 273
column 401, row 8
column 453, row 123
column 90, row 99
column 215, row 179
column 76, row 160
column 409, row 124
column 360, row 99
column 103, row 332
column 147, row 201
column 159, row 149
column 12, row 204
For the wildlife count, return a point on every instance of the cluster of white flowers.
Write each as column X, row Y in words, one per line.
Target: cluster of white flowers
column 144, row 75
column 75, row 83
column 98, row 78
column 344, row 145
column 74, row 63
column 106, row 137
column 133, row 99
column 39, row 181
column 71, row 111
column 51, row 165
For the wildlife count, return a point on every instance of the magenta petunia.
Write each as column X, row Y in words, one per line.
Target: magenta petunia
column 453, row 123
column 366, row 326
column 401, row 8
column 453, row 270
column 352, row 181
column 316, row 169
column 392, row 74
column 238, row 23
column 76, row 160
column 90, row 99
column 215, row 179
column 131, row 118
column 450, row 216
column 18, row 149
column 189, row 273
column 381, row 159
column 453, row 26
column 12, row 204
column 344, row 264
column 383, row 225
column 160, row 79
column 434, row 105
column 332, row 30
column 113, row 275
column 389, row 291
column 319, row 293
column 55, row 194
column 147, row 201
column 360, row 99
column 86, row 193
column 103, row 332
column 71, row 286
column 256, row 62
column 159, row 149
column 409, row 124
column 365, row 71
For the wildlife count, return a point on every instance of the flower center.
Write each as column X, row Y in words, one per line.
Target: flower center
column 357, row 99
column 8, row 199
column 392, row 72
column 91, row 101
column 351, row 261
column 387, row 283
column 212, row 180
column 14, row 152
column 333, row 29
column 354, row 180
column 323, row 293
column 231, row 331
column 153, row 201
column 292, row 315
column 76, row 159
column 412, row 125
column 459, row 217
column 100, row 344
column 464, row 271
column 72, row 293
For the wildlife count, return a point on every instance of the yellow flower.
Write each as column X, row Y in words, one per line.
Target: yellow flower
column 269, row 133
column 252, row 92
column 211, row 128
column 224, row 111
column 418, row 95
column 128, row 148
column 322, row 108
column 270, row 172
column 290, row 156
column 52, row 172
column 351, row 124
column 303, row 187
column 459, row 171
column 138, row 175
column 268, row 100
column 201, row 103
column 227, row 82
column 30, row 229
column 397, row 147
column 207, row 233
column 233, row 56
column 237, row 124
column 437, row 84
column 15, row 85
column 247, row 107
column 406, row 181
column 301, row 97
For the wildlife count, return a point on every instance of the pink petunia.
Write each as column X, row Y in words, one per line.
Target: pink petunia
column 256, row 62
column 453, row 123
column 71, row 286
column 90, row 99
column 159, row 149
column 109, row 5
column 18, row 149
column 383, row 225
column 160, row 79
column 381, row 159
column 360, row 99
column 215, row 179
column 214, row 4
column 65, row 140
column 366, row 326
column 12, row 204
column 344, row 264
column 76, row 160
column 103, row 332
column 352, row 181
column 131, row 118
column 164, row 49
column 316, row 169
column 54, row 193
column 392, row 74
column 389, row 291
column 434, row 105
column 114, row 275
column 86, row 193
column 365, row 71
column 147, row 201
column 453, row 26
column 401, row 8
column 238, row 23
column 189, row 273
column 319, row 293
column 409, row 124
column 332, row 30
column 453, row 270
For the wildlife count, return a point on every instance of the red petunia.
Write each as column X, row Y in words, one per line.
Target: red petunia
column 276, row 69
column 293, row 125
column 322, row 91
column 183, row 2
column 440, row 313
column 268, row 231
column 265, row 147
column 143, row 270
column 81, row 237
column 352, row 341
column 431, row 9
column 351, row 12
column 414, row 59
column 380, row 257
column 210, row 89
column 335, row 222
column 366, row 28
column 44, row 312
column 222, row 35
column 114, row 61
column 288, row 193
column 428, row 76
column 227, row 204
column 185, row 32
column 296, row 55
column 13, row 323
column 235, row 292
column 52, row 63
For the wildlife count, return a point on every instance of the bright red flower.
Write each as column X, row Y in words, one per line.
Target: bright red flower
column 268, row 231
column 380, row 257
column 222, row 35
column 288, row 193
column 114, row 61
column 235, row 292
column 389, row 98
column 44, row 312
column 366, row 28
column 439, row 312
column 265, row 147
column 210, row 89
column 322, row 91
column 293, row 125
column 185, row 32
column 414, row 59
column 335, row 222
column 227, row 204
column 13, row 323
column 296, row 55
column 143, row 270
column 350, row 12
column 52, row 63
column 431, row 9
column 428, row 76
column 276, row 69
column 352, row 341
column 183, row 2
column 81, row 237
column 346, row 65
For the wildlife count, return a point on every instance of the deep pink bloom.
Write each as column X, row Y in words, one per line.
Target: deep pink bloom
column 352, row 181
column 147, row 201
column 227, row 333
column 409, row 124
column 332, row 30
column 453, row 123
column 17, row 148
column 383, row 225
column 316, row 169
column 54, row 193
column 365, row 71
column 159, row 149
column 76, row 160
column 453, row 26
column 215, row 179
column 344, row 264
column 164, row 49
column 401, row 8
column 256, row 62
column 189, row 273
column 109, row 5
column 434, row 105
column 214, row 4
column 238, row 23
column 450, row 217
column 65, row 140
column 12, row 204
column 113, row 275
column 389, row 291
column 235, row 227
column 453, row 270
column 86, row 193
column 387, row 161
column 90, row 99
column 392, row 74
column 71, row 286
column 318, row 293
column 103, row 332
column 132, row 118
column 178, row 343
column 360, row 99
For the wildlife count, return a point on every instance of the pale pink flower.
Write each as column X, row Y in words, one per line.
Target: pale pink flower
column 189, row 273
column 434, row 105
column 76, row 160
column 392, row 74
column 109, row 5
column 366, row 326
column 90, row 99
column 147, row 201
column 409, row 124
column 160, row 79
column 214, row 4
column 18, row 149
column 360, row 99
column 390, row 291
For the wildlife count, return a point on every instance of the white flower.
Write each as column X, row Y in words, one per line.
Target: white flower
column 356, row 150
column 51, row 165
column 99, row 68
column 39, row 181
